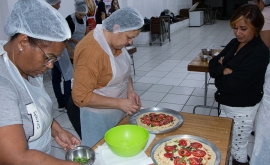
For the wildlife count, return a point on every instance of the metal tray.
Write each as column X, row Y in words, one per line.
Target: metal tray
column 174, row 113
column 215, row 149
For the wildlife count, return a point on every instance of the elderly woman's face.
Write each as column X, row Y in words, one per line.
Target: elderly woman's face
column 37, row 59
column 243, row 31
column 123, row 39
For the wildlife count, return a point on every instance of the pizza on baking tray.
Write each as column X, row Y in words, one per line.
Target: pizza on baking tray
column 157, row 121
column 184, row 152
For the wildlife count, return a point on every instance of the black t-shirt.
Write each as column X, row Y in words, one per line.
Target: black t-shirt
column 71, row 23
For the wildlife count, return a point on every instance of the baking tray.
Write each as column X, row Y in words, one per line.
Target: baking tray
column 174, row 113
column 215, row 149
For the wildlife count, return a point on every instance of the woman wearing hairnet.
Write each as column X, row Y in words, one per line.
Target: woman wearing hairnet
column 78, row 25
column 54, row 3
column 102, row 86
column 37, row 33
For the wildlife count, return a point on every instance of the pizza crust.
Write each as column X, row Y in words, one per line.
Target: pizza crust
column 208, row 159
column 156, row 128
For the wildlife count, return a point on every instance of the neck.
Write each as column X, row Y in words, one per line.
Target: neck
column 11, row 53
column 108, row 37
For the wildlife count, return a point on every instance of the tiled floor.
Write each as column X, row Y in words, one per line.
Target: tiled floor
column 162, row 78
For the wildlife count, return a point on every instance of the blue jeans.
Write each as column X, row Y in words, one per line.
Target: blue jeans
column 62, row 99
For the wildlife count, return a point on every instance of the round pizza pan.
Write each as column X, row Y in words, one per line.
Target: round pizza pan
column 210, row 144
column 174, row 113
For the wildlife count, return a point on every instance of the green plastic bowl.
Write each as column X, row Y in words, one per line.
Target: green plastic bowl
column 126, row 140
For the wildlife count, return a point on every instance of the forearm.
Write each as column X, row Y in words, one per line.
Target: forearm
column 130, row 85
column 69, row 49
column 34, row 157
column 56, row 128
column 15, row 149
column 103, row 102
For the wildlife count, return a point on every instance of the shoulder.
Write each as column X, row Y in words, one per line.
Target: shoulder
column 89, row 49
column 68, row 18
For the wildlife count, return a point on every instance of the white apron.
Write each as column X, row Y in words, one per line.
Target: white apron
column 40, row 109
column 64, row 61
column 95, row 122
column 261, row 149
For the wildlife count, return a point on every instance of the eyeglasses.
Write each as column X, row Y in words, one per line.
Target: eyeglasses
column 50, row 58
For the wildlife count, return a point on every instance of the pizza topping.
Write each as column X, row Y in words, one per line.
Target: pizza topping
column 168, row 155
column 199, row 153
column 196, row 145
column 182, row 142
column 180, row 161
column 184, row 152
column 169, row 148
column 194, row 161
column 156, row 119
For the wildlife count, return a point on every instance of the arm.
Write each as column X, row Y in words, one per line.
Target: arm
column 132, row 94
column 245, row 73
column 265, row 35
column 65, row 139
column 103, row 16
column 216, row 69
column 70, row 50
column 15, row 150
column 14, row 147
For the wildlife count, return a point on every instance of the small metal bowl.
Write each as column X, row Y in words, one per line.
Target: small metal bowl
column 81, row 151
column 209, row 52
column 205, row 57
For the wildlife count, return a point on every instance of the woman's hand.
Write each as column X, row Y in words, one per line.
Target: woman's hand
column 128, row 105
column 227, row 71
column 221, row 60
column 134, row 97
column 65, row 139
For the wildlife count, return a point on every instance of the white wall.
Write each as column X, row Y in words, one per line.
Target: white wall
column 147, row 8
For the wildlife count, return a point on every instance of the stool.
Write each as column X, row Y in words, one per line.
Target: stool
column 131, row 50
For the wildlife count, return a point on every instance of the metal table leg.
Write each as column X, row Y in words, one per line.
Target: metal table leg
column 131, row 55
column 205, row 97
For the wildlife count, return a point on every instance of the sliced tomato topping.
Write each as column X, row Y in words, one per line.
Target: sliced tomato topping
column 194, row 161
column 155, row 123
column 182, row 142
column 179, row 161
column 184, row 152
column 146, row 122
column 168, row 155
column 169, row 148
column 161, row 115
column 196, row 145
column 198, row 153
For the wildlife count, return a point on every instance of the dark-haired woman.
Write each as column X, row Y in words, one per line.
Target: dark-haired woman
column 101, row 13
column 114, row 6
column 239, row 72
column 27, row 124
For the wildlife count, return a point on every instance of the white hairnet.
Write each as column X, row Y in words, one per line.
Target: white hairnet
column 267, row 2
column 126, row 18
column 80, row 6
column 167, row 11
column 37, row 19
column 53, row 2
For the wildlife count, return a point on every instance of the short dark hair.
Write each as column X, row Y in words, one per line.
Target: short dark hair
column 252, row 16
column 32, row 40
